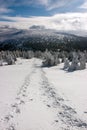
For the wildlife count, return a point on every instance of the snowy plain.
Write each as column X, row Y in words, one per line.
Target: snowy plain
column 37, row 98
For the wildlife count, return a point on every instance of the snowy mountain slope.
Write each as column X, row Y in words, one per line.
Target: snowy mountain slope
column 13, row 39
column 12, row 33
column 31, row 98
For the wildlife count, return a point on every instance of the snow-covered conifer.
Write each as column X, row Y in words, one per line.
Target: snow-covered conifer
column 74, row 64
column 66, row 63
column 9, row 59
column 82, row 61
column 48, row 59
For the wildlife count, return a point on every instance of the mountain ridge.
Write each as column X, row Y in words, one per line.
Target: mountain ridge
column 45, row 38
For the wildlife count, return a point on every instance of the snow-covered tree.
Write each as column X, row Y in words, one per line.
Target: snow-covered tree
column 56, row 58
column 1, row 61
column 10, row 60
column 51, row 58
column 30, row 54
column 66, row 64
column 48, row 59
column 85, row 54
column 62, row 56
column 38, row 54
column 75, row 63
column 82, row 61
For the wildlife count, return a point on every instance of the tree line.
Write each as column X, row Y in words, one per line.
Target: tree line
column 73, row 60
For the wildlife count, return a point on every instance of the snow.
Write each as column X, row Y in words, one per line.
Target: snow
column 36, row 98
column 72, row 85
column 11, row 78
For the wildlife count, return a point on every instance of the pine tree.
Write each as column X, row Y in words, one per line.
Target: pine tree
column 66, row 64
column 82, row 61
column 74, row 64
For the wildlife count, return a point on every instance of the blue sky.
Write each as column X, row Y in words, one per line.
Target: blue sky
column 28, row 8
column 49, row 13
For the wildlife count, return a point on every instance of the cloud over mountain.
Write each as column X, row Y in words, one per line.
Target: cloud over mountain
column 64, row 21
column 37, row 27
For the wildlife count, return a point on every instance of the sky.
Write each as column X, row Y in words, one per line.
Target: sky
column 52, row 14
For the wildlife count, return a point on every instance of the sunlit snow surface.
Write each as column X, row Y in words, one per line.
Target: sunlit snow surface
column 37, row 98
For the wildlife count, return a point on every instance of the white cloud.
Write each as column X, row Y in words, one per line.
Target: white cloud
column 43, row 2
column 56, row 4
column 66, row 22
column 52, row 4
column 5, row 10
column 48, row 4
column 84, row 5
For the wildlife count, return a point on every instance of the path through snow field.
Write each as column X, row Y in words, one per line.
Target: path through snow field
column 29, row 101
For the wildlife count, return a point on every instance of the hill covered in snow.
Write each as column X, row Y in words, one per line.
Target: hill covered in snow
column 39, row 39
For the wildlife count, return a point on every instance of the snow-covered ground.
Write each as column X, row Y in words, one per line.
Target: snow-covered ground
column 72, row 85
column 36, row 98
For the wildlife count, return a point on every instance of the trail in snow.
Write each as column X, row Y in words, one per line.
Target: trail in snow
column 66, row 114
column 37, row 106
column 15, row 108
